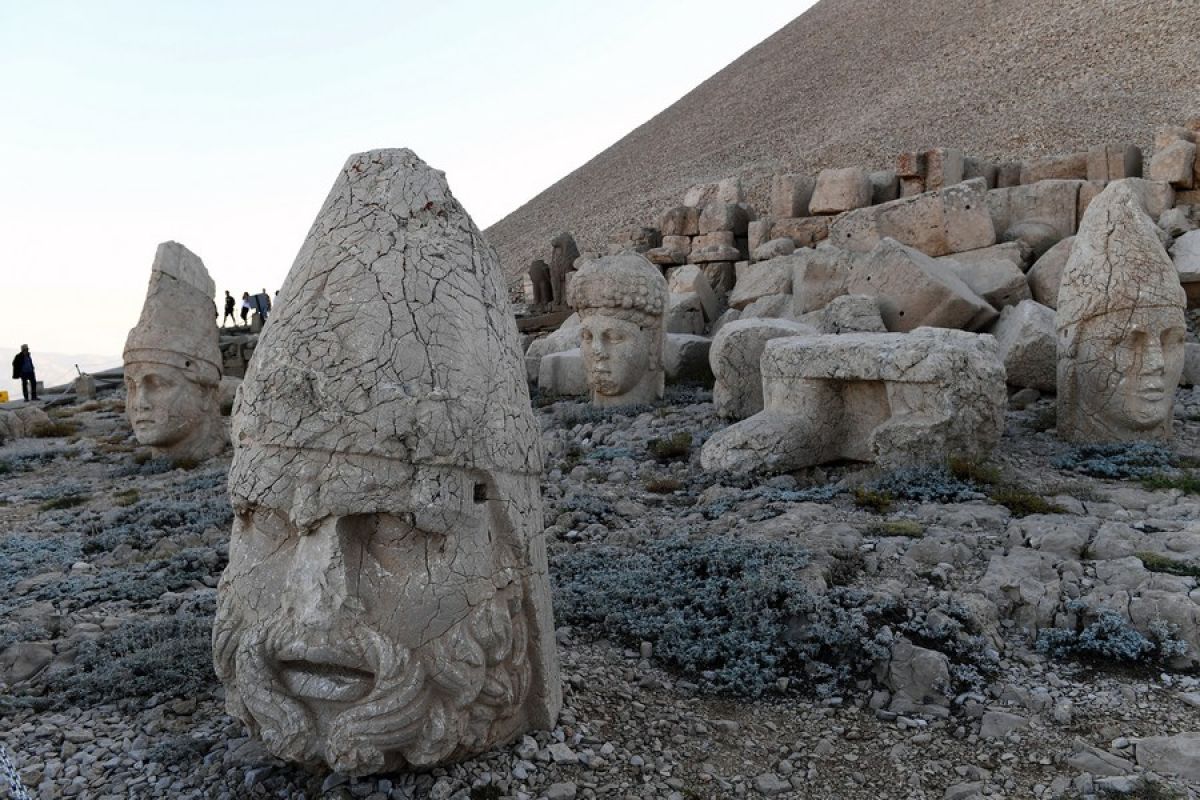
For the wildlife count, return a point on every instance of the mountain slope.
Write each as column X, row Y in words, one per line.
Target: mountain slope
column 853, row 82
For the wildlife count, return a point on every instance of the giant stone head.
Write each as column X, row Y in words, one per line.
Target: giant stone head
column 386, row 603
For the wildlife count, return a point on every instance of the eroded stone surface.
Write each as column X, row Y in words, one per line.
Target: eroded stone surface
column 890, row 399
column 1025, row 334
column 1120, row 325
column 386, row 603
column 735, row 354
column 563, row 254
column 173, row 361
column 621, row 301
column 936, row 223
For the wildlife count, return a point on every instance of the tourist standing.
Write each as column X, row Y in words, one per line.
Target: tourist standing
column 229, row 305
column 245, row 306
column 23, row 369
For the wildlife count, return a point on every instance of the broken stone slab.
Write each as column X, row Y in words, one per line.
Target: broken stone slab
column 943, row 167
column 637, row 239
column 19, row 422
column 839, row 190
column 686, row 359
column 1026, row 340
column 714, row 246
column 1005, row 251
column 911, row 164
column 721, row 276
column 885, row 186
column 936, row 223
column 909, row 187
column 913, row 290
column 1049, row 202
column 1120, row 325
column 774, row 306
column 666, row 256
column 889, row 399
column 997, row 280
column 1046, row 273
column 1070, row 166
column 1177, row 221
column 773, row 276
column 1008, row 174
column 685, row 314
column 680, row 221
column 724, row 217
column 1177, row 755
column 775, row 248
column 1191, row 365
column 387, row 400
column 998, row 724
column 850, row 313
column 691, row 278
column 790, row 195
column 562, row 374
column 565, row 338
column 917, row 677
column 734, row 359
column 1175, row 164
column 1111, row 162
column 980, row 168
column 1185, row 254
column 728, row 190
column 803, row 231
column 757, row 233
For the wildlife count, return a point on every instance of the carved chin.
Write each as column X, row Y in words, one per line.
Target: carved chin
column 393, row 709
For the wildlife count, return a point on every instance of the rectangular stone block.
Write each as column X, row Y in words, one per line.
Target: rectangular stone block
column 910, row 164
column 759, row 280
column 757, row 233
column 910, row 187
column 804, row 231
column 1072, row 166
column 839, row 190
column 680, row 221
column 980, row 168
column 1167, row 134
column 1008, row 174
column 790, row 195
column 1175, row 164
column 936, row 223
column 943, row 167
column 1087, row 193
column 885, row 186
column 1053, row 202
column 1111, row 162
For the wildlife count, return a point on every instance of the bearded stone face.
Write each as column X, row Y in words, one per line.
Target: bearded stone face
column 388, row 637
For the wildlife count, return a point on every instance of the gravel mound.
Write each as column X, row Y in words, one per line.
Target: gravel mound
column 854, row 82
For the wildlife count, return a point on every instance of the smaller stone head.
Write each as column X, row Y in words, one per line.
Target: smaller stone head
column 621, row 301
column 173, row 364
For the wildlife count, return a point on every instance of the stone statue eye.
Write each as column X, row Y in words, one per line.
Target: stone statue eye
column 586, row 335
column 268, row 522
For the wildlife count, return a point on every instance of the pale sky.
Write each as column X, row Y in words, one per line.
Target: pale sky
column 222, row 125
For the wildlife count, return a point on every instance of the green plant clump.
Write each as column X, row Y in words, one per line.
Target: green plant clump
column 873, row 500
column 1022, row 502
column 65, row 501
column 49, row 430
column 662, row 485
column 677, row 445
column 897, row 527
column 1186, row 481
column 1156, row 562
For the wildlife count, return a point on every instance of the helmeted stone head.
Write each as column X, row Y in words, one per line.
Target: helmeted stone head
column 1120, row 322
column 621, row 302
column 386, row 603
column 173, row 361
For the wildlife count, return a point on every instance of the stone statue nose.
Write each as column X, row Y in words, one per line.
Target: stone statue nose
column 1153, row 359
column 323, row 583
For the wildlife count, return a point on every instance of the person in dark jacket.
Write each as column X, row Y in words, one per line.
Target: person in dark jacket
column 23, row 370
column 229, row 306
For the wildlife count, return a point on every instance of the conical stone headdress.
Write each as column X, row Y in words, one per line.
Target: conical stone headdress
column 177, row 326
column 394, row 339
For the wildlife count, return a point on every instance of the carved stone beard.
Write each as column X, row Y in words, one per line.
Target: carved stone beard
column 426, row 705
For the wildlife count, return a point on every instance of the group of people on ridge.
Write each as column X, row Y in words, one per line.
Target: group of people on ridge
column 259, row 304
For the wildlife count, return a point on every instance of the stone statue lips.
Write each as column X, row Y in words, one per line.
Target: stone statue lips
column 323, row 673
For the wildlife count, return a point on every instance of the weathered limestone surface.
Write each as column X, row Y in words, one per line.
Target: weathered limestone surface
column 724, row 217
column 803, row 231
column 621, row 301
column 173, row 361
column 691, row 279
column 565, row 338
column 20, row 421
column 1191, row 365
column 685, row 314
column 773, row 276
column 539, row 276
column 1025, row 335
column 936, row 223
column 1120, row 325
column 1175, row 164
column 685, row 359
column 891, row 399
column 1108, row 162
column 735, row 354
column 1071, row 166
column 1185, row 254
column 839, row 190
column 386, row 604
column 790, row 195
column 562, row 374
column 997, row 280
column 913, row 290
column 774, row 248
column 1050, row 202
column 943, row 167
column 850, row 313
column 1046, row 273
column 680, row 221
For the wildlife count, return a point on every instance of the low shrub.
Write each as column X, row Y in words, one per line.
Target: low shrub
column 971, row 471
column 677, row 445
column 1110, row 637
column 662, row 485
column 126, row 497
column 897, row 527
column 1156, row 562
column 1045, row 419
column 873, row 500
column 1022, row 502
column 1186, row 481
column 55, row 428
column 1119, row 460
column 64, row 501
column 930, row 484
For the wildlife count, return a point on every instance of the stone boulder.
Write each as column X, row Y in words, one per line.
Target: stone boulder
column 839, row 190
column 936, row 223
column 691, row 278
column 912, row 289
column 1175, row 164
column 998, row 280
column 774, row 248
column 686, row 359
column 850, row 313
column 790, row 195
column 1185, row 254
column 1025, row 336
column 734, row 358
column 565, row 338
column 562, row 374
column 685, row 314
column 1039, row 213
column 760, row 279
column 1046, row 273
column 19, row 422
column 1177, row 755
column 889, row 399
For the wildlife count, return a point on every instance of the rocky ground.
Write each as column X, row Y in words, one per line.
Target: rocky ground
column 815, row 635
